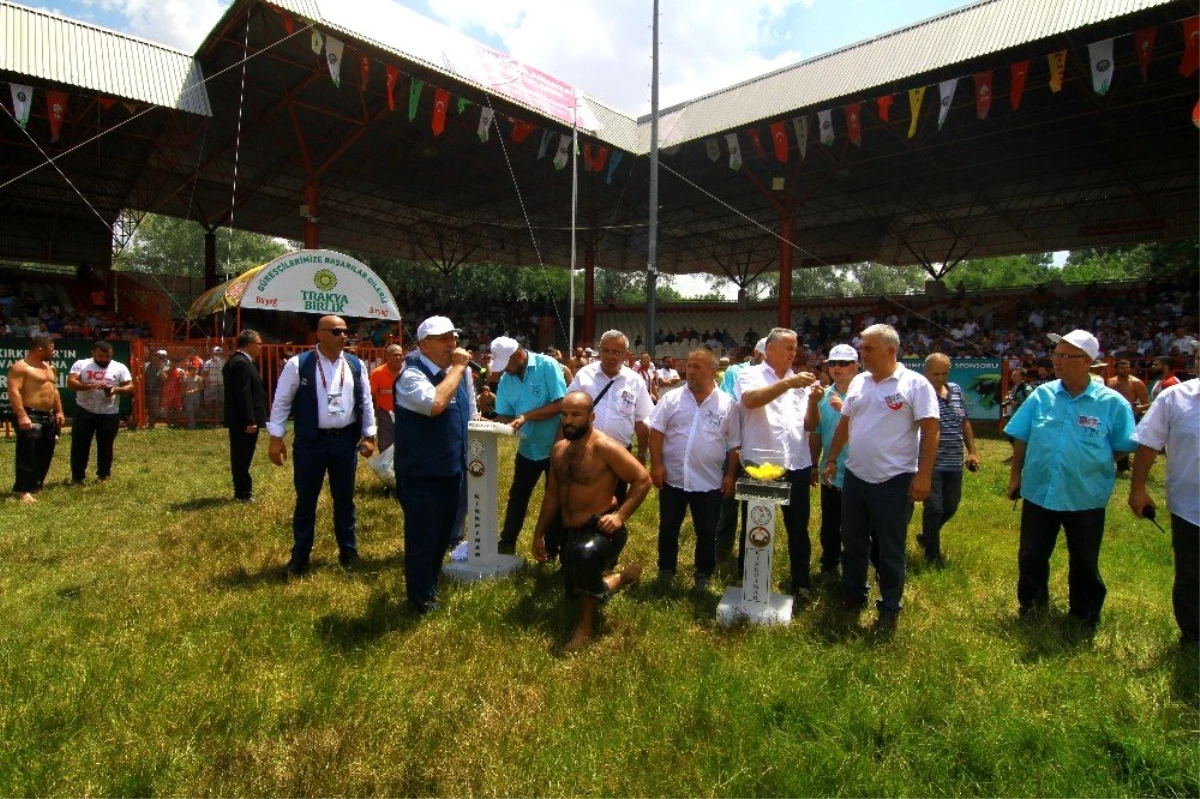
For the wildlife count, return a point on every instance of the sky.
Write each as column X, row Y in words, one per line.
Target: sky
column 600, row 46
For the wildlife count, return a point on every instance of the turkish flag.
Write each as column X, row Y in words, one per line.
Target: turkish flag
column 56, row 104
column 854, row 123
column 364, row 69
column 983, row 94
column 756, row 140
column 780, row 139
column 393, row 74
column 599, row 159
column 441, row 100
column 521, row 130
column 1019, row 72
column 1191, row 54
column 1143, row 42
column 885, row 107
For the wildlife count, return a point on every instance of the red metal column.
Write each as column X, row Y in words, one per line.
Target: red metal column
column 311, row 240
column 785, row 269
column 589, row 295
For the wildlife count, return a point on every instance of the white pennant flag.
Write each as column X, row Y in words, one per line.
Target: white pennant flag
column 317, row 41
column 825, row 120
column 801, row 126
column 946, row 88
column 564, row 150
column 22, row 95
column 1100, row 54
column 714, row 149
column 735, row 151
column 485, row 122
column 333, row 55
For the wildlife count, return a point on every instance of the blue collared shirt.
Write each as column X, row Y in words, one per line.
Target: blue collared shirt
column 1070, row 443
column 826, row 429
column 541, row 385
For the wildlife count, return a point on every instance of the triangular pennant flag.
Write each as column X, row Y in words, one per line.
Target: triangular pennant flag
column 825, row 121
column 289, row 24
column 22, row 96
column 544, row 145
column 1058, row 65
column 1191, row 51
column 521, row 130
column 854, row 123
column 599, row 159
column 612, row 165
column 316, row 42
column 800, row 125
column 756, row 139
column 983, row 94
column 414, row 97
column 333, row 55
column 130, row 107
column 441, row 100
column 564, row 150
column 461, row 105
column 364, row 70
column 56, row 102
column 393, row 75
column 884, row 104
column 1019, row 72
column 946, row 91
column 1196, row 114
column 587, row 156
column 735, row 151
column 780, row 140
column 485, row 123
column 713, row 149
column 1143, row 42
column 1100, row 54
column 106, row 102
column 915, row 96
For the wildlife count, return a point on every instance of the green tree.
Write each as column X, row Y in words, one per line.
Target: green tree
column 164, row 245
column 1003, row 272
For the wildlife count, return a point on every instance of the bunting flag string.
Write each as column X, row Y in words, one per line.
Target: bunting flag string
column 946, row 92
column 779, row 140
column 393, row 74
column 1058, row 65
column 587, row 156
column 333, row 56
column 364, row 71
column 825, row 123
column 414, row 97
column 854, row 123
column 316, row 42
column 22, row 97
column 915, row 96
column 1143, row 42
column 545, row 144
column 735, row 151
column 613, row 163
column 800, row 124
column 56, row 102
column 884, row 104
column 713, row 149
column 441, row 101
column 485, row 123
column 1100, row 54
column 521, row 130
column 1191, row 53
column 461, row 105
column 599, row 159
column 983, row 94
column 564, row 148
column 1018, row 72
column 756, row 140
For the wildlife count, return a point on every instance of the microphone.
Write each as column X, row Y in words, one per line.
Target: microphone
column 476, row 368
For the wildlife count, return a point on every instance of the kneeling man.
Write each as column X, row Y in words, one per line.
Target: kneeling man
column 585, row 467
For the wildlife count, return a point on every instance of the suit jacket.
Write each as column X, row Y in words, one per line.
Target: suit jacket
column 245, row 394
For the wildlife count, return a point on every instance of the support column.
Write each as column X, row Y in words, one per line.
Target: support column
column 210, row 259
column 311, row 239
column 589, row 296
column 785, row 269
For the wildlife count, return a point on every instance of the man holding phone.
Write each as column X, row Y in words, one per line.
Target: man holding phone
column 98, row 382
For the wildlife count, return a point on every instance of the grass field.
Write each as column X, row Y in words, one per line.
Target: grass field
column 150, row 647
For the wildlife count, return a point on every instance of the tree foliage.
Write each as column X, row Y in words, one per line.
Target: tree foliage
column 1003, row 272
column 164, row 245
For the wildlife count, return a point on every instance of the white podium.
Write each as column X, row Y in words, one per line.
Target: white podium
column 753, row 600
column 482, row 521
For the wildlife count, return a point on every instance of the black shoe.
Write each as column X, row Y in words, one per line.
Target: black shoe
column 349, row 560
column 296, row 568
column 701, row 583
column 506, row 547
column 886, row 622
column 423, row 608
column 801, row 599
column 935, row 560
column 249, row 499
column 853, row 604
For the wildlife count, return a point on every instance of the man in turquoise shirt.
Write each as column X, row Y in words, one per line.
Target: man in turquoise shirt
column 1067, row 436
column 528, row 397
column 843, row 366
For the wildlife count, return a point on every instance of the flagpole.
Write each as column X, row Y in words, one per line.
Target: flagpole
column 652, row 248
column 574, row 215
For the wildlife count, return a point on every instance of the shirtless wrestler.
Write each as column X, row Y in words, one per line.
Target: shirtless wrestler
column 585, row 466
column 37, row 408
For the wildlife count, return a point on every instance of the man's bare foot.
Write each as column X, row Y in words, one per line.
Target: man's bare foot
column 579, row 641
column 28, row 499
column 631, row 574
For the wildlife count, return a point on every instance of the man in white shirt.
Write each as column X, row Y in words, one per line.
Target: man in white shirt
column 779, row 411
column 329, row 391
column 1173, row 423
column 619, row 395
column 691, row 431
column 98, row 383
column 890, row 417
column 667, row 378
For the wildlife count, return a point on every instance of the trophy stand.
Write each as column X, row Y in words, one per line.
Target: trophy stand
column 753, row 600
column 482, row 525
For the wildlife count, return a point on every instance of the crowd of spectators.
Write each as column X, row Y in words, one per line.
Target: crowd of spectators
column 28, row 309
column 480, row 323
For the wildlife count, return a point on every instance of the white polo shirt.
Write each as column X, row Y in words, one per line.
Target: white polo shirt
column 1173, row 422
column 625, row 404
column 777, row 426
column 884, row 434
column 696, row 437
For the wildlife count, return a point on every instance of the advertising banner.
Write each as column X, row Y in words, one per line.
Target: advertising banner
column 66, row 352
column 979, row 379
column 320, row 282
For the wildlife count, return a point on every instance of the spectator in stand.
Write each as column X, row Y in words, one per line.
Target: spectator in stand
column 954, row 432
column 667, row 377
column 1184, row 342
column 648, row 373
column 1165, row 367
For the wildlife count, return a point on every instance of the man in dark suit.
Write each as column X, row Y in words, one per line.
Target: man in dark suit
column 245, row 410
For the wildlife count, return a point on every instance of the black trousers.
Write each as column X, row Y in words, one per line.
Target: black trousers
column 241, row 454
column 1185, row 540
column 526, row 473
column 1084, row 530
column 705, row 506
column 35, row 450
column 939, row 508
column 831, row 528
column 86, row 426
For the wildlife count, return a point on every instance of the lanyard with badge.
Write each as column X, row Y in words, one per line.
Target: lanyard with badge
column 333, row 398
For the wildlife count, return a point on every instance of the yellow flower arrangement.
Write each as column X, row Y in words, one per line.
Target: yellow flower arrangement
column 766, row 471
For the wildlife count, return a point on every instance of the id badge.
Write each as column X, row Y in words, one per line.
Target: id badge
column 335, row 404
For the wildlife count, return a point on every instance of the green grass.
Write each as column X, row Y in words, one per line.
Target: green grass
column 149, row 647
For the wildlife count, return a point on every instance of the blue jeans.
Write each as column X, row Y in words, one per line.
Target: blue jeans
column 336, row 455
column 882, row 510
column 705, row 506
column 430, row 506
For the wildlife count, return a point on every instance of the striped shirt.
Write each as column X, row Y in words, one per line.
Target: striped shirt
column 952, row 409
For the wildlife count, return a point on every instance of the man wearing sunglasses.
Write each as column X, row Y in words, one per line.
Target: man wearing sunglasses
column 328, row 391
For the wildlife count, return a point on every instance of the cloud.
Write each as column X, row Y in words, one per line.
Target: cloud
column 178, row 23
column 604, row 47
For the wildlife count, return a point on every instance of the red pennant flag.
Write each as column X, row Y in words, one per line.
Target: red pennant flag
column 983, row 94
column 105, row 102
column 587, row 157
column 756, row 140
column 599, row 159
column 364, row 69
column 885, row 106
column 780, row 139
column 1191, row 54
column 521, row 130
column 441, row 101
column 1019, row 72
column 289, row 24
column 1143, row 42
column 56, row 104
column 854, row 123
column 393, row 74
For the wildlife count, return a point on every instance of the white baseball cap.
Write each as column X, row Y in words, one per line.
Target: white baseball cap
column 761, row 346
column 217, row 349
column 503, row 349
column 843, row 352
column 1080, row 339
column 160, row 352
column 436, row 326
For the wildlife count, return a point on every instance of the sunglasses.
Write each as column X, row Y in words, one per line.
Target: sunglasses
column 337, row 331
column 839, row 363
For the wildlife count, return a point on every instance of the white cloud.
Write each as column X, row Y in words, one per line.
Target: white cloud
column 178, row 23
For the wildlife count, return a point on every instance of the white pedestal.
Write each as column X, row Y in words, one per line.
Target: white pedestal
column 482, row 528
column 753, row 600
